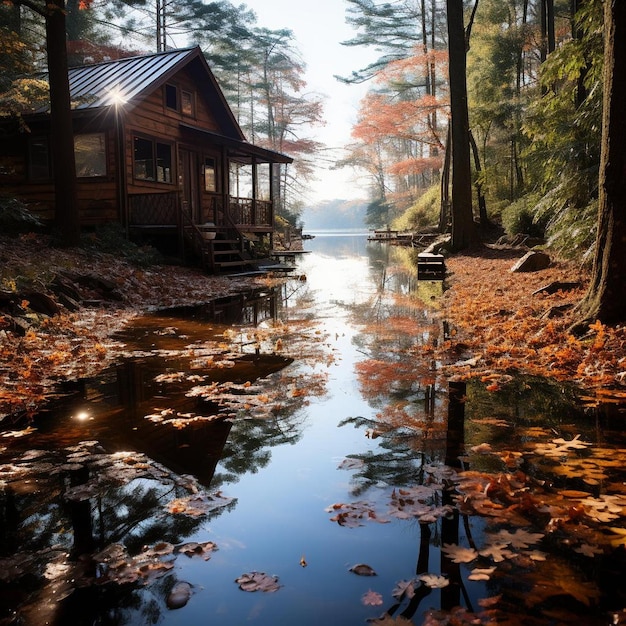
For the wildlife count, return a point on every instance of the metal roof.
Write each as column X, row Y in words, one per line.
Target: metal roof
column 117, row 82
column 122, row 81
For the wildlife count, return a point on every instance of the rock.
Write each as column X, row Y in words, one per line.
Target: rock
column 557, row 310
column 557, row 285
column 68, row 302
column 40, row 303
column 532, row 261
column 61, row 285
column 17, row 325
column 362, row 569
column 179, row 595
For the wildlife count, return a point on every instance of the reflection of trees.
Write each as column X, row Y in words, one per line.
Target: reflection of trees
column 400, row 461
column 248, row 448
column 91, row 501
column 451, row 449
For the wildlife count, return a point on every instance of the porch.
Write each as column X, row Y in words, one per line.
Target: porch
column 163, row 220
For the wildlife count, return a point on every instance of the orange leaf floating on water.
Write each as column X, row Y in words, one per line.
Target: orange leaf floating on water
column 198, row 549
column 520, row 539
column 459, row 554
column 372, row 598
column 434, row 581
column 404, row 588
column 481, row 573
column 258, row 581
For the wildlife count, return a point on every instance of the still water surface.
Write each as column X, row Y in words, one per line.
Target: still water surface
column 331, row 433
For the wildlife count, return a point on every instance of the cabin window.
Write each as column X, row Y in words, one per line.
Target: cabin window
column 210, row 175
column 39, row 167
column 90, row 154
column 152, row 160
column 186, row 103
column 171, row 97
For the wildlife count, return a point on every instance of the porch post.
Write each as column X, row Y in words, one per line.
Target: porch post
column 255, row 190
column 270, row 172
column 120, row 144
column 225, row 188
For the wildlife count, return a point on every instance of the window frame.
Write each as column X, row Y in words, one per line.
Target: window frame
column 44, row 140
column 191, row 111
column 102, row 155
column 156, row 148
column 170, row 92
column 209, row 174
column 43, row 172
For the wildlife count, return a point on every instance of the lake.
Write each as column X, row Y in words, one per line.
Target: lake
column 295, row 456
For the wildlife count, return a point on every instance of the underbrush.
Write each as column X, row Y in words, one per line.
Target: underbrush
column 15, row 218
column 423, row 214
column 111, row 239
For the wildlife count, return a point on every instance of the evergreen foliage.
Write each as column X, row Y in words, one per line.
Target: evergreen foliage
column 534, row 110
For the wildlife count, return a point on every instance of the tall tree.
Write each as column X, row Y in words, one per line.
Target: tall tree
column 464, row 231
column 62, row 138
column 393, row 29
column 605, row 298
column 280, row 113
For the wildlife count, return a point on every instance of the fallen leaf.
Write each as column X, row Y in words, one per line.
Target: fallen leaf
column 520, row 539
column 459, row 554
column 481, row 573
column 433, row 581
column 404, row 588
column 361, row 569
column 258, row 581
column 372, row 598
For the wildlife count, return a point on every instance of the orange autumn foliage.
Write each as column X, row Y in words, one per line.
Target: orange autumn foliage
column 504, row 322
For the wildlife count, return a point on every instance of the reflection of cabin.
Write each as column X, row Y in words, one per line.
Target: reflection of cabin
column 185, row 160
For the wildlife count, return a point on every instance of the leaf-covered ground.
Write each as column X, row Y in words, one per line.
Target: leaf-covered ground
column 78, row 343
column 502, row 320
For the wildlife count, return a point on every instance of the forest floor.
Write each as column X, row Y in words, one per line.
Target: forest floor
column 500, row 321
column 503, row 321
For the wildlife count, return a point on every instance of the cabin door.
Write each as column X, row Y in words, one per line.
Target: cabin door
column 188, row 173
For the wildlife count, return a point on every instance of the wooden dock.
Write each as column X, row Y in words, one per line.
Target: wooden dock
column 400, row 238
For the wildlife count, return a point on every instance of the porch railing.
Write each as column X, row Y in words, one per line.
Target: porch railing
column 163, row 209
column 249, row 212
column 154, row 209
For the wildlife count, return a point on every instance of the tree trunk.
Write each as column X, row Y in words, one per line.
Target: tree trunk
column 605, row 298
column 464, row 233
column 482, row 202
column 66, row 203
column 444, row 209
column 548, row 41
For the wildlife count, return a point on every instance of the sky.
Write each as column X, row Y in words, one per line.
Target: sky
column 319, row 27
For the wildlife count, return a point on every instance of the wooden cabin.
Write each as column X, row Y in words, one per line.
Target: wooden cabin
column 158, row 150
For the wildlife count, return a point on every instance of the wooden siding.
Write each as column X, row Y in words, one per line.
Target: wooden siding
column 101, row 199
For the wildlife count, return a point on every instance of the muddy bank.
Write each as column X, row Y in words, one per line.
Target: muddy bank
column 59, row 309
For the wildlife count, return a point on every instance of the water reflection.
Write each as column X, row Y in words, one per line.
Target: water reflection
column 312, row 425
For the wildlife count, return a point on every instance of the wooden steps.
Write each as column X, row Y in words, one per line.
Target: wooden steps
column 225, row 255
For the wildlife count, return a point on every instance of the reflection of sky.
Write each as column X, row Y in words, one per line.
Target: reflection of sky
column 336, row 270
column 280, row 513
